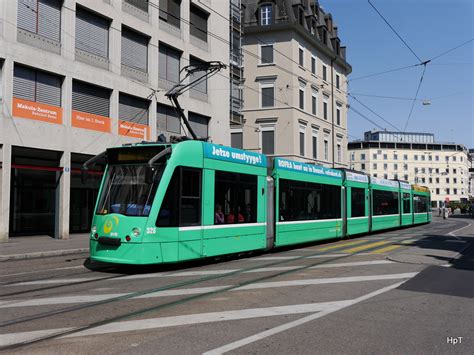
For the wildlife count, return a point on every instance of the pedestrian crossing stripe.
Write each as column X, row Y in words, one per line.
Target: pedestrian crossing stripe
column 386, row 249
column 342, row 245
column 365, row 247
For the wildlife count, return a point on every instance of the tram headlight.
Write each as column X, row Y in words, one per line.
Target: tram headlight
column 94, row 230
column 136, row 231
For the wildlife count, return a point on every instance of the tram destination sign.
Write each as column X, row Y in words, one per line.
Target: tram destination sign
column 307, row 168
column 356, row 177
column 219, row 152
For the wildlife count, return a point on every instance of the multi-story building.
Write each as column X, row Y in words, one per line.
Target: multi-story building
column 236, row 62
column 471, row 173
column 79, row 76
column 295, row 99
column 416, row 158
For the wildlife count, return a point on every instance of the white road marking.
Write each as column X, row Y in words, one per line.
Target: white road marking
column 283, row 327
column 322, row 308
column 457, row 230
column 52, row 282
column 13, row 338
column 199, row 290
column 48, row 270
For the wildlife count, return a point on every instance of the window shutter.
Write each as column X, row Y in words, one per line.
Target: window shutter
column 27, row 15
column 169, row 118
column 92, row 33
column 24, row 83
column 267, row 54
column 49, row 19
column 134, row 50
column 90, row 98
column 169, row 63
column 236, row 140
column 199, row 124
column 48, row 89
column 268, row 142
column 140, row 4
column 202, row 86
column 198, row 19
column 133, row 109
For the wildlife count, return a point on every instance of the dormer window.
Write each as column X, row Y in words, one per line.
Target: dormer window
column 266, row 15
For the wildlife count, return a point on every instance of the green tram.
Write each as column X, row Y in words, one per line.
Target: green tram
column 165, row 203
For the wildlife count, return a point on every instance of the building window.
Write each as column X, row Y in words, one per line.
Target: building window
column 314, row 101
column 198, row 23
column 395, row 176
column 92, row 33
column 90, row 99
column 266, row 54
column 455, row 180
column 415, row 157
column 430, row 180
column 430, row 157
column 395, row 156
column 325, row 108
column 447, row 191
column 325, row 74
column 455, row 191
column 41, row 17
column 199, row 124
column 385, row 157
column 405, row 166
column 167, row 118
column 134, row 50
column 395, row 166
column 374, row 166
column 236, row 140
column 36, row 86
column 169, row 64
column 385, row 166
column 265, row 15
column 362, row 156
column 315, row 145
column 202, row 86
column 302, row 142
column 437, row 157
column 339, row 153
column 374, row 156
column 337, row 82
column 423, row 158
column 267, row 89
column 139, row 4
column 437, row 191
column 338, row 115
column 268, row 140
column 170, row 12
column 437, row 180
column 362, row 166
column 301, row 56
column 133, row 109
column 405, row 157
column 301, row 95
column 313, row 65
column 405, row 177
column 423, row 170
column 326, row 150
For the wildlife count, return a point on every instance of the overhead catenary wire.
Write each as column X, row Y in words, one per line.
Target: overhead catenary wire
column 395, row 31
column 416, row 96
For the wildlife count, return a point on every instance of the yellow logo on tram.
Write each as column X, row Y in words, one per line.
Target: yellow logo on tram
column 108, row 225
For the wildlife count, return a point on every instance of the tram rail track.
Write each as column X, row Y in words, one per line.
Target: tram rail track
column 181, row 300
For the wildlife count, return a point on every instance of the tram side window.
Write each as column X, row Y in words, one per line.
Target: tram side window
column 357, row 202
column 385, row 202
column 235, row 198
column 420, row 204
column 301, row 201
column 406, row 203
column 182, row 203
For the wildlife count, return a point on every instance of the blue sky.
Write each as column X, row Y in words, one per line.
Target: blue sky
column 430, row 27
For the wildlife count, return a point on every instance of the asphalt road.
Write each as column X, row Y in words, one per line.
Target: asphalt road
column 397, row 292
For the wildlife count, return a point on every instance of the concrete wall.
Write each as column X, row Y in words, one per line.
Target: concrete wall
column 30, row 133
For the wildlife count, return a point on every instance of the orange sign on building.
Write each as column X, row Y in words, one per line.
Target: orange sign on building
column 37, row 111
column 90, row 121
column 135, row 130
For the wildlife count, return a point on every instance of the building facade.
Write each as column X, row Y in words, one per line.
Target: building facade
column 295, row 93
column 416, row 158
column 471, row 174
column 79, row 76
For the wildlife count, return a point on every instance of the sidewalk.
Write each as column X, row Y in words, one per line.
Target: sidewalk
column 20, row 248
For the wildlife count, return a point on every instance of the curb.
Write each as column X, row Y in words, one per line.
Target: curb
column 43, row 254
